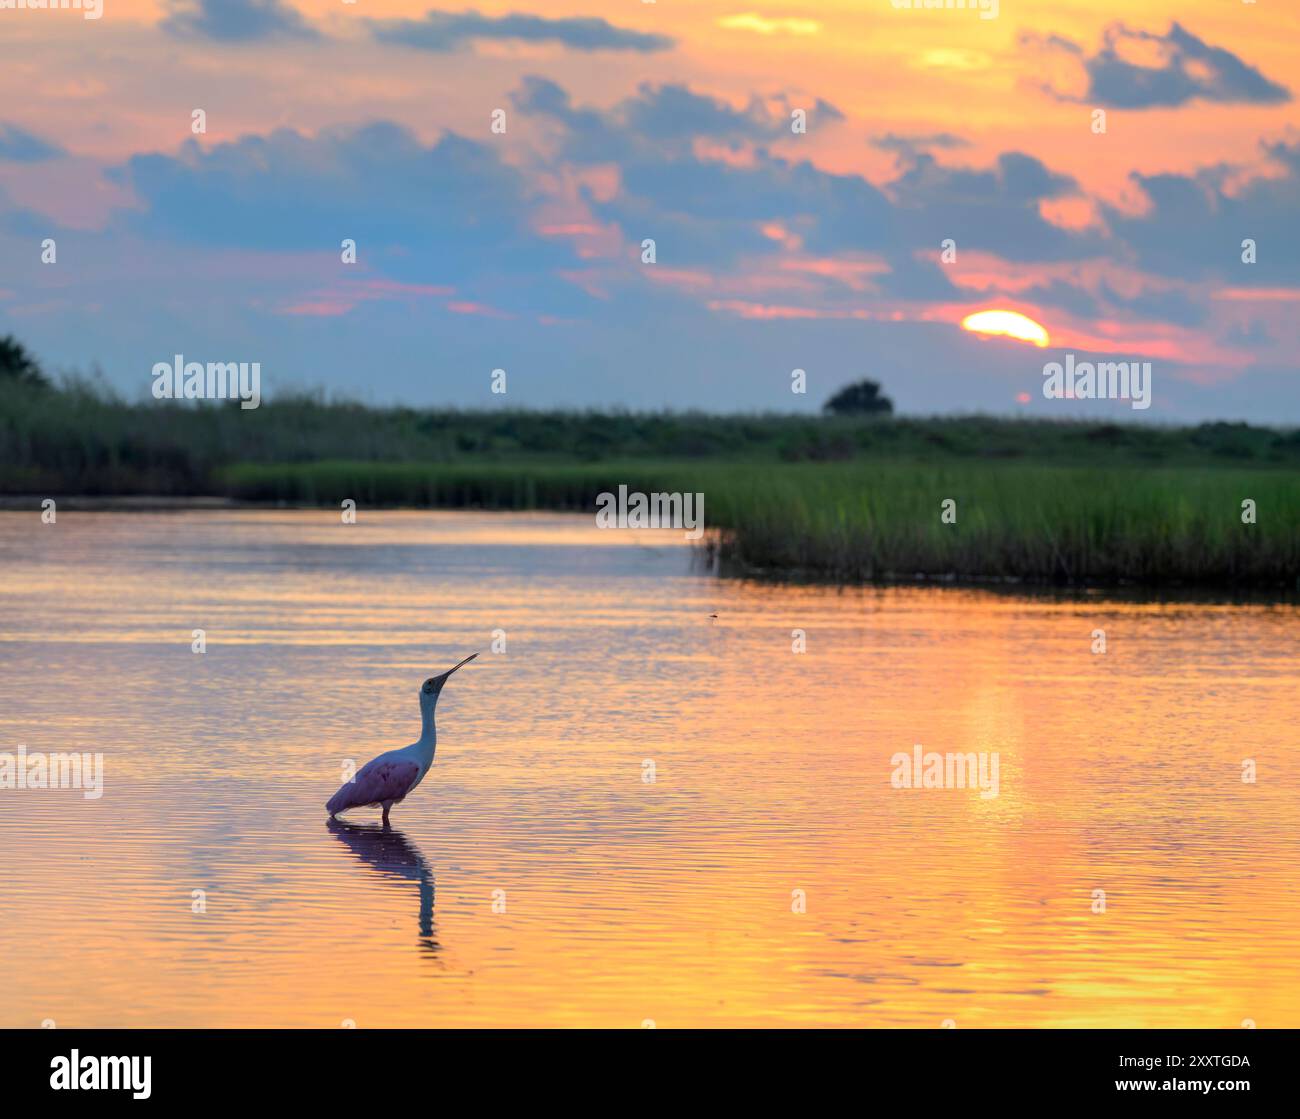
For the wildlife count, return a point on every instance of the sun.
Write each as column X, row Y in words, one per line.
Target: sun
column 1010, row 323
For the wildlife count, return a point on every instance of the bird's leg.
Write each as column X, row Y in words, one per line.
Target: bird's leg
column 387, row 806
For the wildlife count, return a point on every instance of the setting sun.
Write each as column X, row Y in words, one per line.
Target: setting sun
column 1010, row 323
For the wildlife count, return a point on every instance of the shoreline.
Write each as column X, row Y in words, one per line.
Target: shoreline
column 710, row 554
column 119, row 503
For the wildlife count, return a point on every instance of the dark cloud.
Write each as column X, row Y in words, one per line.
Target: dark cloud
column 910, row 146
column 654, row 121
column 995, row 210
column 709, row 213
column 236, row 21
column 1019, row 179
column 711, row 209
column 673, row 112
column 588, row 136
column 20, row 146
column 445, row 31
column 1190, row 69
column 449, row 212
column 827, row 110
column 1194, row 224
column 1169, row 306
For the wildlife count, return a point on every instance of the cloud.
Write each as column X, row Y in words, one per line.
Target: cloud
column 1170, row 306
column 1188, row 69
column 995, row 209
column 714, row 215
column 445, row 31
column 20, row 146
column 674, row 112
column 760, row 252
column 910, row 146
column 827, row 110
column 236, row 21
column 763, row 25
column 1066, row 296
column 1223, row 210
column 446, row 212
column 657, row 120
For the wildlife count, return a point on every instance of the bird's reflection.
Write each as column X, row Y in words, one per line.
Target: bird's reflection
column 391, row 855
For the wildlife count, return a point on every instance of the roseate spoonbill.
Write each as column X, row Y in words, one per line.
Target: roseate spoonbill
column 389, row 778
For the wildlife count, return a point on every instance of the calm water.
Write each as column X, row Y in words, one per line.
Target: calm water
column 625, row 900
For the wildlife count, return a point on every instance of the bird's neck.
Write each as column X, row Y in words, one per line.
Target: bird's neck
column 428, row 735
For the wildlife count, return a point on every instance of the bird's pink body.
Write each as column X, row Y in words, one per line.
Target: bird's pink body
column 385, row 780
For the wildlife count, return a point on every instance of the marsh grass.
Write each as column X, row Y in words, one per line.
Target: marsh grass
column 871, row 520
column 83, row 439
column 1081, row 526
column 833, row 497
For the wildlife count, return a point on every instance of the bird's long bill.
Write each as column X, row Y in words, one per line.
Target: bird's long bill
column 461, row 665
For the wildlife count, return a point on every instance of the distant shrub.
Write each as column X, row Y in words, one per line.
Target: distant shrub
column 17, row 365
column 863, row 398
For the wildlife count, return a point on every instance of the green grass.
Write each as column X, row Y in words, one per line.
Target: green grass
column 1039, row 523
column 84, row 440
column 541, row 485
column 840, row 498
column 880, row 520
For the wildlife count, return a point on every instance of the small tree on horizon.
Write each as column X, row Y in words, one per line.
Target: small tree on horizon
column 17, row 365
column 860, row 399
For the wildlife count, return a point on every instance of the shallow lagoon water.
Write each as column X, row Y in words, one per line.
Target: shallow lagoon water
column 537, row 877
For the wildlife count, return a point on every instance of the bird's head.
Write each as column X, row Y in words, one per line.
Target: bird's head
column 431, row 688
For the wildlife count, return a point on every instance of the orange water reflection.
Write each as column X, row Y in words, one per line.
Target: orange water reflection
column 536, row 878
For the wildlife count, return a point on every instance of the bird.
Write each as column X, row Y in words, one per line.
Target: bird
column 390, row 778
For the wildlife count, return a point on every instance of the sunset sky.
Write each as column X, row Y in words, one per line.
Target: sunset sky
column 669, row 120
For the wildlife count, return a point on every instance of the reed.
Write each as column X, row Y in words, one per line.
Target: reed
column 872, row 520
column 834, row 497
column 1039, row 523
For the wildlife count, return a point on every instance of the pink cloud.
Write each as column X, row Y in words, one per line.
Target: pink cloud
column 469, row 308
column 341, row 300
column 319, row 309
column 1259, row 295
